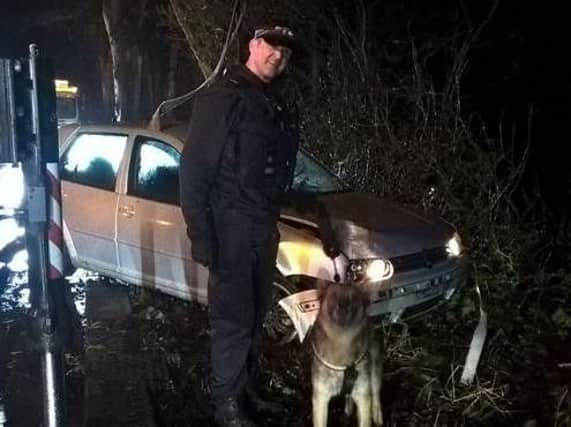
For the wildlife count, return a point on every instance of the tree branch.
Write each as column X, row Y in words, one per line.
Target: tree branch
column 179, row 15
column 171, row 104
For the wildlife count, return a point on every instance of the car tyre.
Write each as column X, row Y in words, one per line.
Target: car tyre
column 278, row 327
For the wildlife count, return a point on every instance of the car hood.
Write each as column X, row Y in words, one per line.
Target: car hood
column 366, row 226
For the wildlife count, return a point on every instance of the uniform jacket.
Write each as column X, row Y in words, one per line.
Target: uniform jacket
column 239, row 154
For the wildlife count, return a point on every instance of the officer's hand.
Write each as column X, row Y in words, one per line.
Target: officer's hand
column 201, row 251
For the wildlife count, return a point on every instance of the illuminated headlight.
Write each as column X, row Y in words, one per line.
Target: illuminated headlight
column 454, row 246
column 371, row 270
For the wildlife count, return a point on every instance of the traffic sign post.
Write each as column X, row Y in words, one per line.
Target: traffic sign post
column 29, row 135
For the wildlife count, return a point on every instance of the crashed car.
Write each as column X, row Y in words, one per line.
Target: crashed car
column 121, row 217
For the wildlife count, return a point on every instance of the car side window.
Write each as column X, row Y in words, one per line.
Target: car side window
column 93, row 159
column 154, row 171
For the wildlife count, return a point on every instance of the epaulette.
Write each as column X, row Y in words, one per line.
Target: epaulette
column 221, row 87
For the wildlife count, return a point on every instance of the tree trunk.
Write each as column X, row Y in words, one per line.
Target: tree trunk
column 171, row 79
column 179, row 14
column 126, row 54
column 106, row 73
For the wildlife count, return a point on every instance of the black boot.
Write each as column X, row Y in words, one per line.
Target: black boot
column 256, row 404
column 229, row 414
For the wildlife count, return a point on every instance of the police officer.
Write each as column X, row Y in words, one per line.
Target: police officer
column 237, row 162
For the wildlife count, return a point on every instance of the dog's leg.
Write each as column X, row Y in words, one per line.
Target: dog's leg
column 325, row 384
column 376, row 352
column 361, row 395
column 362, row 398
column 320, row 402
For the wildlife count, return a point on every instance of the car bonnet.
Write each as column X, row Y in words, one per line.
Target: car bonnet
column 365, row 226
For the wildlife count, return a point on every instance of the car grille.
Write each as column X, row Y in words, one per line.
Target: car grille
column 421, row 308
column 425, row 259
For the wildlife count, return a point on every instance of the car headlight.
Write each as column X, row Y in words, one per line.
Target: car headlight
column 454, row 246
column 370, row 270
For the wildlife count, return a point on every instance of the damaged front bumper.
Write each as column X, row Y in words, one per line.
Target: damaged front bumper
column 412, row 293
column 405, row 296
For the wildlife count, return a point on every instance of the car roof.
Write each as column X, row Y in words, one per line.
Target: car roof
column 177, row 131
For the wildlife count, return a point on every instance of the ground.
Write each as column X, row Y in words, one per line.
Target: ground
column 144, row 361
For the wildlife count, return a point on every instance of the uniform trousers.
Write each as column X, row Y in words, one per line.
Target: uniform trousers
column 239, row 296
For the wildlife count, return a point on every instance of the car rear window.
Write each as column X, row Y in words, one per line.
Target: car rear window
column 93, row 159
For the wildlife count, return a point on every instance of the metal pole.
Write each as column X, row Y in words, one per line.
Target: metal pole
column 52, row 362
column 11, row 114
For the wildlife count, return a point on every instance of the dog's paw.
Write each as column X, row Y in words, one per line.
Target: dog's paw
column 377, row 415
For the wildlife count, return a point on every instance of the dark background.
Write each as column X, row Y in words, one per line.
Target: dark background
column 517, row 68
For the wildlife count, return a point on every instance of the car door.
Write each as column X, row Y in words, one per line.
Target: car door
column 153, row 247
column 89, row 168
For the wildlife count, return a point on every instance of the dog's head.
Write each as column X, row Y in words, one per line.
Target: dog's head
column 344, row 304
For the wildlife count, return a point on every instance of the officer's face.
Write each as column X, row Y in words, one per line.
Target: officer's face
column 267, row 61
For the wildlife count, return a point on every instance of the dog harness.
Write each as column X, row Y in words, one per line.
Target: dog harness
column 338, row 367
column 349, row 371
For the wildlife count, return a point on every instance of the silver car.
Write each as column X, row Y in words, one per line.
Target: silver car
column 122, row 219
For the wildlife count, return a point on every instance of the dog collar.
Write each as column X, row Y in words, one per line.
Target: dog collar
column 337, row 367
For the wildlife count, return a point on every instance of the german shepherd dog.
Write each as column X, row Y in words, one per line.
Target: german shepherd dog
column 347, row 357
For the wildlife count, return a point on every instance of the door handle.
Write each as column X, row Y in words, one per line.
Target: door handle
column 127, row 211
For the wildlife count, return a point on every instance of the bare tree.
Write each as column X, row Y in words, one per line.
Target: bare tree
column 124, row 20
column 238, row 12
column 208, row 29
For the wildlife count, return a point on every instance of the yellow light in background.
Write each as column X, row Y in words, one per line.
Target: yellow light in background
column 63, row 88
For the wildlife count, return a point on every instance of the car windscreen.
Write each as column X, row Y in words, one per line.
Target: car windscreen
column 312, row 177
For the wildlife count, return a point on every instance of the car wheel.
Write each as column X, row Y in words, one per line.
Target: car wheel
column 278, row 327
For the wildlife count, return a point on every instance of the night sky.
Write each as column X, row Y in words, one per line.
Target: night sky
column 518, row 62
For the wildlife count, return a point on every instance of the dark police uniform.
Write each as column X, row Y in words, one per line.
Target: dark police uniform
column 237, row 162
